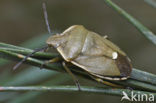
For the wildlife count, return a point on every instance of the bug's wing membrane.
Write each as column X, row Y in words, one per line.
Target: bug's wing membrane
column 99, row 65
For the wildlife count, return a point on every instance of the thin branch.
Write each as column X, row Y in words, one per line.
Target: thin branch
column 85, row 89
column 143, row 76
column 36, row 62
column 11, row 46
column 151, row 3
column 145, row 31
column 42, row 55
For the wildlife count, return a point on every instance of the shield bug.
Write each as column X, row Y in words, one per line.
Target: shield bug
column 92, row 53
column 95, row 54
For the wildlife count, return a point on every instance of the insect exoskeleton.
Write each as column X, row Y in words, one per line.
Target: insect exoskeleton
column 93, row 53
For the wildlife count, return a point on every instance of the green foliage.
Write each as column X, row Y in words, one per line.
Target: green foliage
column 144, row 30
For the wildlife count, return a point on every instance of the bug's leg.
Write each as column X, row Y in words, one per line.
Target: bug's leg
column 109, row 83
column 106, row 82
column 56, row 59
column 29, row 55
column 72, row 75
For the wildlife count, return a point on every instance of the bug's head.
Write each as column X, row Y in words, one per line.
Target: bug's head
column 54, row 40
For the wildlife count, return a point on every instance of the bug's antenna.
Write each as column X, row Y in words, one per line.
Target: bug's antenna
column 40, row 49
column 46, row 17
column 31, row 54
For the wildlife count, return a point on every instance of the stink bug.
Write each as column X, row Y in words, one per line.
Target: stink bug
column 92, row 53
column 95, row 54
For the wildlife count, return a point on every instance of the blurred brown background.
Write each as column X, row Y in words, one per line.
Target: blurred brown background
column 23, row 19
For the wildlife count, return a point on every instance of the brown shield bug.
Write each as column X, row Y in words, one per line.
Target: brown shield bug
column 91, row 52
column 95, row 54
